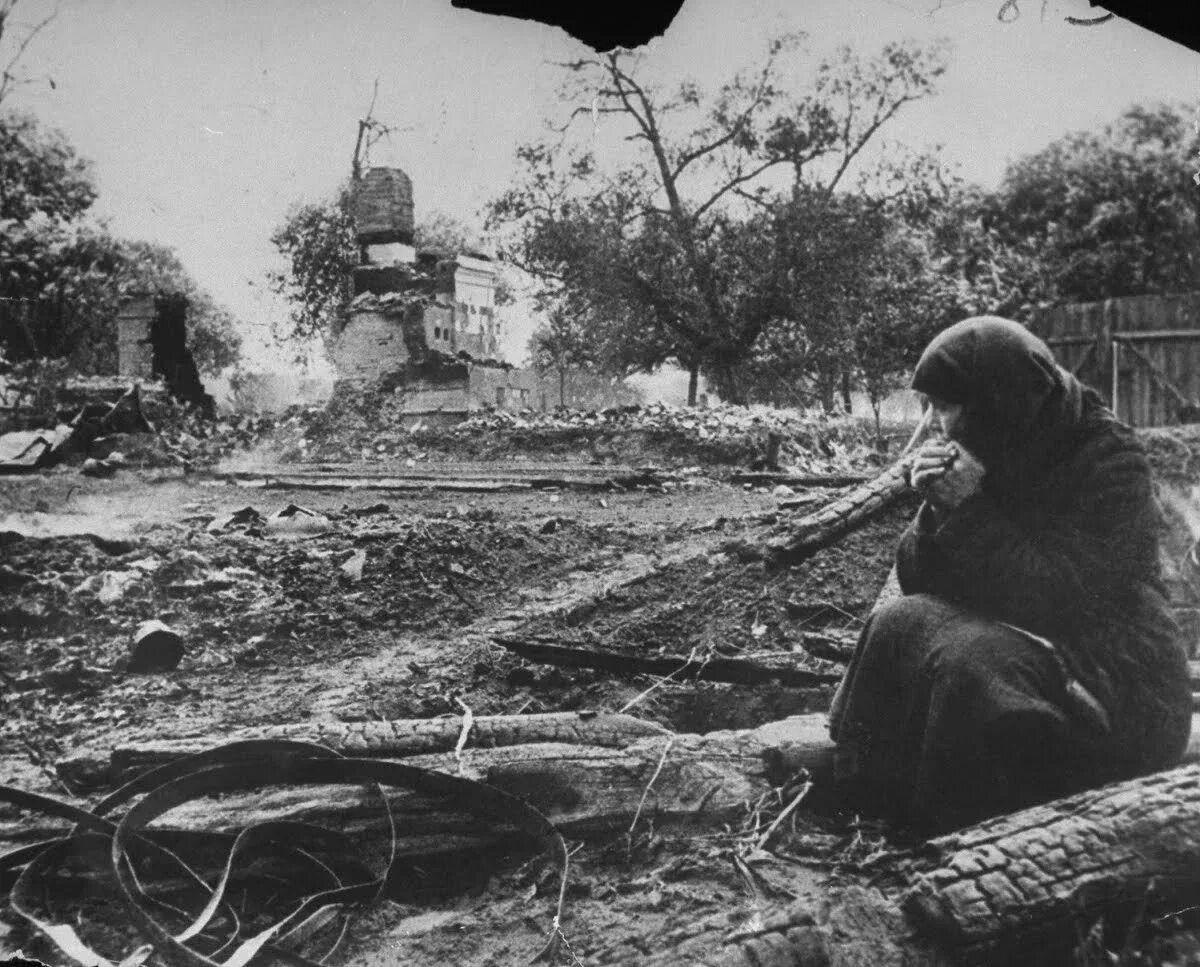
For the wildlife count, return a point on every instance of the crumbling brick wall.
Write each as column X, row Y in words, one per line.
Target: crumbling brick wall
column 371, row 344
column 134, row 356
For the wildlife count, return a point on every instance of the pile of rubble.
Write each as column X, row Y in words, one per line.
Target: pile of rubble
column 115, row 425
column 705, row 423
column 102, row 425
column 715, row 436
column 635, row 435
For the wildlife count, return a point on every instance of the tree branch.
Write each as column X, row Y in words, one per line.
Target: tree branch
column 729, row 186
column 756, row 101
column 8, row 78
column 878, row 122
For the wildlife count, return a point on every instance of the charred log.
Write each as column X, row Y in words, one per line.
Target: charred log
column 804, row 537
column 395, row 739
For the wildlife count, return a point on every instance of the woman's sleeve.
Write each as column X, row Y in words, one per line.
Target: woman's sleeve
column 1076, row 562
column 919, row 561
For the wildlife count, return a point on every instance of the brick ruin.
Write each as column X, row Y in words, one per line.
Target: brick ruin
column 429, row 325
column 152, row 344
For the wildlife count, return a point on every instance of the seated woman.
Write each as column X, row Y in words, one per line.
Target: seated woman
column 1033, row 653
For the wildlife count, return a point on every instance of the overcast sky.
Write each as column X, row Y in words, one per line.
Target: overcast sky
column 207, row 119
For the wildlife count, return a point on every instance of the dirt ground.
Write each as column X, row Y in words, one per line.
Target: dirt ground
column 275, row 632
column 280, row 628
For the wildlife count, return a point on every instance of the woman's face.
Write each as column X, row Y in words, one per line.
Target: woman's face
column 948, row 418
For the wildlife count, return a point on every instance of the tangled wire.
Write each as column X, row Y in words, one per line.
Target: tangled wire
column 190, row 921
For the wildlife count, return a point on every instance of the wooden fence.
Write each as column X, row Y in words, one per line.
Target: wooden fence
column 1142, row 353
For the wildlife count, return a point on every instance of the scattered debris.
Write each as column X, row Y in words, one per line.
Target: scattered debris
column 29, row 449
column 97, row 468
column 298, row 522
column 246, row 519
column 35, row 449
column 156, row 648
column 378, row 633
column 352, row 569
column 109, row 586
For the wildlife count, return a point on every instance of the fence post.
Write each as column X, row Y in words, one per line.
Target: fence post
column 1116, row 374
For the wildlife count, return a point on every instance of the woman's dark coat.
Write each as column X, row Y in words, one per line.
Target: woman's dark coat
column 1034, row 652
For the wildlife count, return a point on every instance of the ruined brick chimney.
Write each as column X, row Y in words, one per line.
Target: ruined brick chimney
column 383, row 330
column 427, row 325
column 409, row 311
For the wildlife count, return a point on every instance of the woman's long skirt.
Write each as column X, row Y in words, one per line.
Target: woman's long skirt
column 945, row 718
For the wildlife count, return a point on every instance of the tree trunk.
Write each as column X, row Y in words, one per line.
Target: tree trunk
column 825, row 387
column 562, row 386
column 732, row 388
column 846, row 401
column 774, row 444
column 693, row 383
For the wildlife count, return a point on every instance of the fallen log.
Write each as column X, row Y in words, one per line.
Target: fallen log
column 1013, row 884
column 736, row 671
column 585, row 789
column 1020, row 879
column 586, row 786
column 824, row 527
column 399, row 738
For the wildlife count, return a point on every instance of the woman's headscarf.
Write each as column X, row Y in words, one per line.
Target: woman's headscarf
column 1020, row 406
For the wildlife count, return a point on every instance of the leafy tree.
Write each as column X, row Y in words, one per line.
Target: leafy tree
column 822, row 252
column 63, row 276
column 561, row 343
column 862, row 293
column 655, row 237
column 60, row 291
column 318, row 242
column 828, row 233
column 40, row 173
column 905, row 301
column 640, row 242
column 444, row 235
column 1094, row 215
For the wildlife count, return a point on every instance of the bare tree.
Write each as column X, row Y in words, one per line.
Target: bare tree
column 20, row 36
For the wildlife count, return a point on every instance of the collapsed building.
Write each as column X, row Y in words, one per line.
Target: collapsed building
column 152, row 344
column 428, row 326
